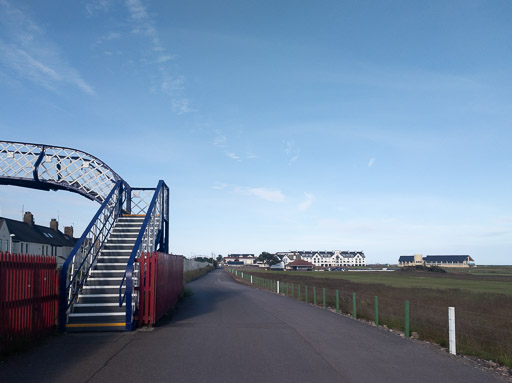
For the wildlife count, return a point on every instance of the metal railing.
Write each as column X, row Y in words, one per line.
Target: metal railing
column 78, row 265
column 153, row 236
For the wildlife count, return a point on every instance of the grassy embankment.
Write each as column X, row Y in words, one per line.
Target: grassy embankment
column 482, row 299
column 190, row 276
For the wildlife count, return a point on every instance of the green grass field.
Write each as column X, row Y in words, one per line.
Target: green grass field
column 475, row 282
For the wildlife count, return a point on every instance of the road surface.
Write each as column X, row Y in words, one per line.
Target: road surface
column 228, row 332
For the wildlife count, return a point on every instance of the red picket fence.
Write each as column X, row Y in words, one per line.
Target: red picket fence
column 161, row 283
column 28, row 297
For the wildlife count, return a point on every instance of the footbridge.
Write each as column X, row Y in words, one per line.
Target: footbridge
column 99, row 279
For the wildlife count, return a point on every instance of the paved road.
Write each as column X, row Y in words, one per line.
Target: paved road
column 227, row 332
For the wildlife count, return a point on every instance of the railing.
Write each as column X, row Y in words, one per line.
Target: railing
column 47, row 167
column 78, row 265
column 153, row 236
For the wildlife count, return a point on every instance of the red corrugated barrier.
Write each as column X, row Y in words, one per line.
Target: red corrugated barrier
column 28, row 297
column 161, row 283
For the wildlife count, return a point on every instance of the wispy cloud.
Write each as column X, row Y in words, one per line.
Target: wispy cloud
column 371, row 162
column 272, row 195
column 219, row 186
column 97, row 6
column 110, row 36
column 220, row 139
column 232, row 155
column 27, row 52
column 181, row 106
column 308, row 202
column 267, row 194
column 291, row 150
column 143, row 25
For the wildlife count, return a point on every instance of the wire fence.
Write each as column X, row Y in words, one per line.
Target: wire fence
column 486, row 334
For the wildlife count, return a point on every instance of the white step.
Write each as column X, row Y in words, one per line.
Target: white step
column 95, row 314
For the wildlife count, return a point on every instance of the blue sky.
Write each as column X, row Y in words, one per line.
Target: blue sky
column 382, row 126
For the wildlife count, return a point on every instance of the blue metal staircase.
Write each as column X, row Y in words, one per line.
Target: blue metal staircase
column 98, row 281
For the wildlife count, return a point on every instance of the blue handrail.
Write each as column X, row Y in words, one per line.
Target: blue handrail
column 160, row 238
column 112, row 206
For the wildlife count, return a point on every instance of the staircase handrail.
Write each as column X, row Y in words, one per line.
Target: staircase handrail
column 84, row 254
column 153, row 228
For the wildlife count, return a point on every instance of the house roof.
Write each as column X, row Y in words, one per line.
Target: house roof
column 406, row 258
column 300, row 262
column 447, row 258
column 23, row 232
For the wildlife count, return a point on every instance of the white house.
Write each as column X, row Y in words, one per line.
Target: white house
column 28, row 238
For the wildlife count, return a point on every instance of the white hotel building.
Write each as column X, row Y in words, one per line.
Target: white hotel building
column 336, row 258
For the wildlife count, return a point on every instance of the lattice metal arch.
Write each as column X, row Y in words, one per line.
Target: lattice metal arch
column 47, row 167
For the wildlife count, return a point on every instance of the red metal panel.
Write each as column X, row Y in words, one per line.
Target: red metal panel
column 28, row 297
column 161, row 283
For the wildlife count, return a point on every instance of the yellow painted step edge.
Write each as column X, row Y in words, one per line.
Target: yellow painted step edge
column 96, row 325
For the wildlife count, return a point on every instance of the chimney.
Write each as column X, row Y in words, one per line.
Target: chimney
column 28, row 218
column 54, row 224
column 68, row 230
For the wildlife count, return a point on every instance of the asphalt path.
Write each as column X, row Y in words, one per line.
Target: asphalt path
column 229, row 332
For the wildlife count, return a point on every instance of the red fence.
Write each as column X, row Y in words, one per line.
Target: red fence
column 28, row 297
column 161, row 283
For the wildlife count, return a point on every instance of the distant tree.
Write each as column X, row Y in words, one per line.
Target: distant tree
column 219, row 258
column 269, row 259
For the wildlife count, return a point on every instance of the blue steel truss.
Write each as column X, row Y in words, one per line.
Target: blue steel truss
column 47, row 167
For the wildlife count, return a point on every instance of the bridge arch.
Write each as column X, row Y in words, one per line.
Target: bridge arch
column 48, row 167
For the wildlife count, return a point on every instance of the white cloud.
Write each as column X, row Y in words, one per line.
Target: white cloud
column 25, row 49
column 308, row 202
column 372, row 161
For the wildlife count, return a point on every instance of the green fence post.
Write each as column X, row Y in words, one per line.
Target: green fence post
column 298, row 292
column 354, row 305
column 306, row 294
column 314, row 295
column 406, row 324
column 376, row 302
column 337, row 301
column 323, row 295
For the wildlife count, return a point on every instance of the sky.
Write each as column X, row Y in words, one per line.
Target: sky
column 375, row 126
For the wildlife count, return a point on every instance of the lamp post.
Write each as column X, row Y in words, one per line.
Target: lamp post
column 10, row 242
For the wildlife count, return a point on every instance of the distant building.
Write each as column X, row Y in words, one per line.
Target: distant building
column 300, row 265
column 334, row 258
column 435, row 260
column 239, row 259
column 28, row 238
